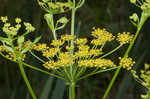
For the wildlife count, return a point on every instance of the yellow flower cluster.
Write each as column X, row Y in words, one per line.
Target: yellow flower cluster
column 51, row 52
column 102, row 63
column 4, row 19
column 67, row 37
column 143, row 4
column 18, row 20
column 81, row 41
column 143, row 78
column 3, row 49
column 8, row 29
column 13, row 30
column 69, row 48
column 85, row 51
column 146, row 5
column 57, row 42
column 13, row 44
column 126, row 63
column 10, row 55
column 50, row 65
column 13, row 57
column 134, row 17
column 124, row 37
column 40, row 47
column 65, row 60
column 55, row 7
column 29, row 27
column 102, row 36
column 95, row 52
column 83, row 54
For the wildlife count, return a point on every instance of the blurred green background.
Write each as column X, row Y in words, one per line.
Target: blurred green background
column 110, row 14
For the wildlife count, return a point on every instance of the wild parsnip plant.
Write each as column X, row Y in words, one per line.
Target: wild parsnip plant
column 69, row 57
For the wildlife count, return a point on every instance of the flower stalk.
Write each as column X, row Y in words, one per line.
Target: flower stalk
column 72, row 90
column 20, row 63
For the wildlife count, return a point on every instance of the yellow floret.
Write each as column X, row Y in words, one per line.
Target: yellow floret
column 146, row 5
column 80, row 54
column 29, row 27
column 50, row 65
column 83, row 47
column 8, row 29
column 51, row 52
column 4, row 19
column 67, row 37
column 95, row 52
column 2, row 48
column 101, row 63
column 133, row 1
column 57, row 42
column 18, row 20
column 126, row 63
column 83, row 51
column 124, row 38
column 13, row 56
column 85, row 63
column 81, row 41
column 40, row 47
column 102, row 36
column 25, row 44
column 69, row 48
column 66, row 59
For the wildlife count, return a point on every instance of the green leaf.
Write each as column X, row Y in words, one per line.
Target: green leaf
column 36, row 40
column 49, row 20
column 63, row 21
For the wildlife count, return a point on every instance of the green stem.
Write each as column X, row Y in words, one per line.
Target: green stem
column 50, row 22
column 72, row 31
column 93, row 73
column 80, row 72
column 53, row 30
column 72, row 90
column 37, row 57
column 111, row 83
column 142, row 21
column 26, row 79
column 73, row 21
column 111, row 51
